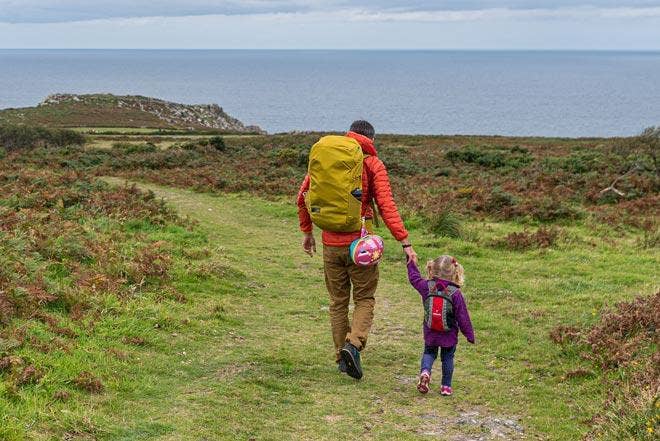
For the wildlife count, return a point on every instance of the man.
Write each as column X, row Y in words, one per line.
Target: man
column 340, row 272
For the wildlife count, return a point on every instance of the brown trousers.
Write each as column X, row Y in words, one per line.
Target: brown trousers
column 340, row 274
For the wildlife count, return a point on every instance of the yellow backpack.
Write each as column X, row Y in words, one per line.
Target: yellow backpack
column 334, row 199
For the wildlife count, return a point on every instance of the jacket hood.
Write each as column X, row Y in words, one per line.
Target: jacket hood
column 366, row 143
column 445, row 283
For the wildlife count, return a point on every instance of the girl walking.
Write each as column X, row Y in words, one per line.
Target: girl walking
column 445, row 312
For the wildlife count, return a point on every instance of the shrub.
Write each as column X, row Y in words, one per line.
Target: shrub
column 398, row 161
column 218, row 143
column 24, row 137
column 287, row 156
column 491, row 158
column 623, row 345
column 576, row 163
column 548, row 209
column 131, row 148
column 442, row 172
column 445, row 224
column 498, row 200
column 643, row 149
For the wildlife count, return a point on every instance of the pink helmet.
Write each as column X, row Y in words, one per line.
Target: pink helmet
column 367, row 250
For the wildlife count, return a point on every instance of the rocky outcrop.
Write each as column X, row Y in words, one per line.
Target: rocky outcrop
column 197, row 116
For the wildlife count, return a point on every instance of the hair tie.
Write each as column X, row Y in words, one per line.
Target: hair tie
column 453, row 261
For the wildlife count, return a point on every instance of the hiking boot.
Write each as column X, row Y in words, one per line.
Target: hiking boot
column 446, row 391
column 341, row 365
column 423, row 383
column 351, row 357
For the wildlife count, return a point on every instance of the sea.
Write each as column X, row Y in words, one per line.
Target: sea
column 524, row 93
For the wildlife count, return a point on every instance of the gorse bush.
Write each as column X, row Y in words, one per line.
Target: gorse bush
column 23, row 137
column 577, row 162
column 491, row 158
column 499, row 200
column 399, row 161
column 131, row 148
column 218, row 143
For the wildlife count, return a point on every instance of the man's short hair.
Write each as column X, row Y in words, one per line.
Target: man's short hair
column 363, row 128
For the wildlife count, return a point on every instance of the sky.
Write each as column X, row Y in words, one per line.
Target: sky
column 331, row 24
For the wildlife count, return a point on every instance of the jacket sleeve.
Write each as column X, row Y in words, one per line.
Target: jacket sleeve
column 463, row 317
column 417, row 281
column 303, row 215
column 382, row 192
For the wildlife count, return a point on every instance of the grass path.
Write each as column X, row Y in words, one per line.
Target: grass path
column 250, row 355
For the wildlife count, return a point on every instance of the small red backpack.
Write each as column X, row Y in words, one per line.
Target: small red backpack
column 438, row 307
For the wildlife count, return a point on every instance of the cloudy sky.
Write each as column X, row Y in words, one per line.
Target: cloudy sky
column 409, row 24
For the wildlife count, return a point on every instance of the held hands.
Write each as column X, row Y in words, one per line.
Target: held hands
column 408, row 249
column 309, row 244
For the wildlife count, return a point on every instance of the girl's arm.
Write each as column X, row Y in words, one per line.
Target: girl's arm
column 463, row 317
column 416, row 279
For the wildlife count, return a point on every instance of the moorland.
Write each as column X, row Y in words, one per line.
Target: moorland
column 152, row 286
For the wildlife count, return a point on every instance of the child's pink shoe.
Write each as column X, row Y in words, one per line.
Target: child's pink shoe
column 445, row 390
column 423, row 383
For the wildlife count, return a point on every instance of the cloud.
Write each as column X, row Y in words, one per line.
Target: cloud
column 582, row 13
column 53, row 11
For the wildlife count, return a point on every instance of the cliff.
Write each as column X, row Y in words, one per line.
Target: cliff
column 107, row 110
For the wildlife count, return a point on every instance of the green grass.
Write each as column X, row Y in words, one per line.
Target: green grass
column 250, row 355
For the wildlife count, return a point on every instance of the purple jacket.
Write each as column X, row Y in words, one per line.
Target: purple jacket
column 449, row 338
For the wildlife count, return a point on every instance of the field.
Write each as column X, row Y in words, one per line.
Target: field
column 201, row 318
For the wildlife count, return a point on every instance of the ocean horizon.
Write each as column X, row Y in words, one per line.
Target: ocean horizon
column 555, row 93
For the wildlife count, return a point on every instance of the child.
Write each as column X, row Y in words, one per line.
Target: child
column 445, row 277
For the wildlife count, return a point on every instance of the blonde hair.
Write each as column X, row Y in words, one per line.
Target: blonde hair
column 446, row 268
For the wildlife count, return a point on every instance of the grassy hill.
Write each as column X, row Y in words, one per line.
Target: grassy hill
column 201, row 318
column 107, row 110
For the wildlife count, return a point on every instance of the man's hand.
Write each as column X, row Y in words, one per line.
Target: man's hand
column 309, row 244
column 408, row 249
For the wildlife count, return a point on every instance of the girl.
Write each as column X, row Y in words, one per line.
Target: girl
column 445, row 279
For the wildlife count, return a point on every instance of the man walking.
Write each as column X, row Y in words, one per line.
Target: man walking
column 341, row 274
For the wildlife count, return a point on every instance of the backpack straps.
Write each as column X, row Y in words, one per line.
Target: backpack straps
column 371, row 202
column 373, row 208
column 446, row 293
column 449, row 292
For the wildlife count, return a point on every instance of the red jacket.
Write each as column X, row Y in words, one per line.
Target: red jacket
column 375, row 185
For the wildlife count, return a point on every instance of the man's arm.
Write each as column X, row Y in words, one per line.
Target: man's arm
column 308, row 243
column 303, row 215
column 382, row 192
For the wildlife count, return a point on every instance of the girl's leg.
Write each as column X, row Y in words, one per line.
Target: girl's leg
column 429, row 356
column 447, row 357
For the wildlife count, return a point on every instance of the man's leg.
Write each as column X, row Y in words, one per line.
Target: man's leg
column 365, row 281
column 338, row 284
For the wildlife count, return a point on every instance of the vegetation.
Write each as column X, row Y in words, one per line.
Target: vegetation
column 121, row 320
column 623, row 345
column 22, row 137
